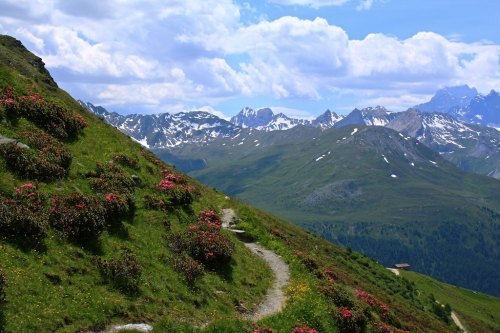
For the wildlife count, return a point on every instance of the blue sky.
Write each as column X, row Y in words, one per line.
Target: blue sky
column 297, row 56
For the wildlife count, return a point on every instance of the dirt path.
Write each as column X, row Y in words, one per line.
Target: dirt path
column 457, row 321
column 275, row 297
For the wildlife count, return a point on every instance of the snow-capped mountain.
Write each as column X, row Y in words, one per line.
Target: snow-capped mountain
column 266, row 120
column 471, row 147
column 371, row 116
column 326, row 120
column 466, row 104
column 166, row 130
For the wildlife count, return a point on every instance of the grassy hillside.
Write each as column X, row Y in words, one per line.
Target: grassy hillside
column 94, row 230
column 371, row 189
column 474, row 309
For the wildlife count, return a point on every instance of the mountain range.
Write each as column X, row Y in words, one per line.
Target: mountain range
column 466, row 104
column 468, row 143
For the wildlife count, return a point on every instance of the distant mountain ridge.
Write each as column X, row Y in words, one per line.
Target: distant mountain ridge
column 466, row 104
column 165, row 130
column 472, row 147
column 266, row 120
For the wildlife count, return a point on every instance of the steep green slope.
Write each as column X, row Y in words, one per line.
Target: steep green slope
column 373, row 190
column 473, row 309
column 107, row 237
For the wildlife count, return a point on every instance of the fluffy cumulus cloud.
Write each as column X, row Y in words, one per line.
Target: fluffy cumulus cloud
column 175, row 53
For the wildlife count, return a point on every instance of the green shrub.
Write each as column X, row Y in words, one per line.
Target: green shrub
column 337, row 295
column 123, row 272
column 208, row 245
column 156, row 202
column 127, row 161
column 190, row 269
column 3, row 286
column 78, row 217
column 57, row 120
column 30, row 164
column 173, row 189
column 350, row 321
column 117, row 207
column 111, row 178
column 23, row 216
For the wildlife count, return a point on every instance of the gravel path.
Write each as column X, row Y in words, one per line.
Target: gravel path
column 275, row 297
column 457, row 321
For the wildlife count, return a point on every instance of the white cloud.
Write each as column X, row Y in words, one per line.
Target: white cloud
column 292, row 112
column 169, row 53
column 210, row 109
column 365, row 5
column 395, row 103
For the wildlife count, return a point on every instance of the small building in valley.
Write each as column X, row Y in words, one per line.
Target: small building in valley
column 402, row 266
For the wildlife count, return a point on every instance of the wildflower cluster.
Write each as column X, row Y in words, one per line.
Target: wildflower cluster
column 123, row 272
column 23, row 215
column 262, row 330
column 207, row 243
column 127, row 161
column 384, row 328
column 350, row 320
column 57, row 120
column 152, row 158
column 46, row 158
column 171, row 191
column 209, row 217
column 201, row 244
column 77, row 216
column 116, row 188
column 297, row 290
column 373, row 302
column 304, row 329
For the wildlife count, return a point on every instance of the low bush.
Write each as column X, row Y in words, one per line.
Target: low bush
column 149, row 156
column 208, row 245
column 171, row 191
column 384, row 328
column 373, row 302
column 350, row 321
column 178, row 243
column 156, row 202
column 127, row 160
column 78, row 217
column 3, row 286
column 117, row 207
column 23, row 215
column 262, row 330
column 190, row 269
column 209, row 217
column 31, row 164
column 337, row 295
column 123, row 272
column 57, row 120
column 111, row 178
column 304, row 329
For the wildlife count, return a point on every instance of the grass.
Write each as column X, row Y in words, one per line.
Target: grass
column 477, row 311
column 350, row 198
